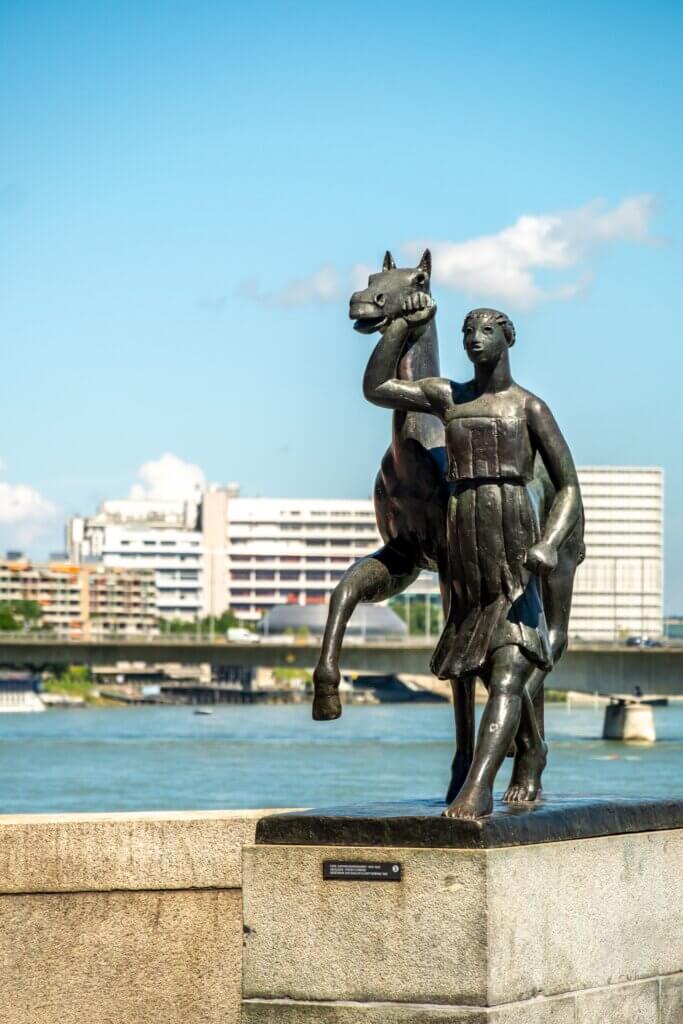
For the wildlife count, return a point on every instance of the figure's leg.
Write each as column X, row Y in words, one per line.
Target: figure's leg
column 510, row 670
column 378, row 577
column 531, row 755
column 463, row 705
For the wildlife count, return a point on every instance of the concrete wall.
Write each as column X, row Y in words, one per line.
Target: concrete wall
column 122, row 918
column 137, row 919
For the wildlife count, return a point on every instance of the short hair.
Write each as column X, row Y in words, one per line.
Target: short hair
column 499, row 318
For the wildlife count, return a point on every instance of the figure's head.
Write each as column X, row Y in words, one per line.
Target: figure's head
column 382, row 301
column 487, row 333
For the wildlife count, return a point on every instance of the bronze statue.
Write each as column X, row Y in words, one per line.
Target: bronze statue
column 487, row 496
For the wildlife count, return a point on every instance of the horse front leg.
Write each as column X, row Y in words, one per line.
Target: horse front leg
column 463, row 706
column 377, row 577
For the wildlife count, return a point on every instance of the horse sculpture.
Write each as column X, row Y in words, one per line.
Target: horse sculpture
column 411, row 496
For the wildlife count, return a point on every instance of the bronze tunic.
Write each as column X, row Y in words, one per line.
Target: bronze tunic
column 492, row 522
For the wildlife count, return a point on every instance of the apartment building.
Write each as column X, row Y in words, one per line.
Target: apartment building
column 619, row 588
column 83, row 601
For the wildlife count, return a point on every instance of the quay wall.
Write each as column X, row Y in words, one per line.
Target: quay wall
column 121, row 918
column 137, row 918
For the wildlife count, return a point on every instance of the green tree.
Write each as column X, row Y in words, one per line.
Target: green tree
column 74, row 681
column 8, row 623
column 413, row 610
column 29, row 612
column 17, row 615
column 204, row 627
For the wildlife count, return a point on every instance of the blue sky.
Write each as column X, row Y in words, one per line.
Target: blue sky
column 187, row 191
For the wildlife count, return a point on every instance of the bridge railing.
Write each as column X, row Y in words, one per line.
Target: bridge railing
column 219, row 639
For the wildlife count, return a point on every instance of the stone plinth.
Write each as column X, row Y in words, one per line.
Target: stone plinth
column 509, row 920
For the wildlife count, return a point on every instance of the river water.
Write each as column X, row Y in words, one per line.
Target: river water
column 275, row 756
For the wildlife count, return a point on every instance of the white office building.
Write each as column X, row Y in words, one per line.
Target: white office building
column 618, row 590
column 158, row 536
column 263, row 552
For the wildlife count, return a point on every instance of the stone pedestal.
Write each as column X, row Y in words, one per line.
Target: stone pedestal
column 568, row 913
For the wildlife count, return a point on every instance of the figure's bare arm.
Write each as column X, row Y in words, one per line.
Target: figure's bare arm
column 382, row 387
column 566, row 506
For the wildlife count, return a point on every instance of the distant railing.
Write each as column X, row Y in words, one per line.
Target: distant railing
column 218, row 639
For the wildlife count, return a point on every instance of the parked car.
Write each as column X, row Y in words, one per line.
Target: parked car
column 240, row 635
column 643, row 641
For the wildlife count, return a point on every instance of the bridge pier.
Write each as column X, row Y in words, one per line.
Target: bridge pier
column 629, row 721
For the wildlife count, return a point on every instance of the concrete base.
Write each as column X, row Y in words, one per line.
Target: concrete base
column 653, row 1001
column 629, row 721
column 122, row 918
column 588, row 931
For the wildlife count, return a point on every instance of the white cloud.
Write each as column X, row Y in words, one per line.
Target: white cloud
column 24, row 513
column 503, row 265
column 168, row 479
column 320, row 286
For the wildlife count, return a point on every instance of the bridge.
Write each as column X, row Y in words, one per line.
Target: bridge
column 591, row 668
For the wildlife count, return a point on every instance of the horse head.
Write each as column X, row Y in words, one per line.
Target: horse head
column 382, row 301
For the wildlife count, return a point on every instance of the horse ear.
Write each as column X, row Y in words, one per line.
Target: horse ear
column 426, row 262
column 389, row 261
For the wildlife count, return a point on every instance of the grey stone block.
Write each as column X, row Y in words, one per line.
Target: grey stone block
column 423, row 940
column 545, row 1011
column 621, row 1004
column 464, row 927
column 584, row 914
column 121, row 958
column 144, row 850
column 671, row 998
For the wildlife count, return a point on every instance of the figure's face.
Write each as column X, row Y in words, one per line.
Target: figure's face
column 484, row 340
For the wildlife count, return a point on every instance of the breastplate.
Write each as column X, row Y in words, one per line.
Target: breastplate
column 488, row 446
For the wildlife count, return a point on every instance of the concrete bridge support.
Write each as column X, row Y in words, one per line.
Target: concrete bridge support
column 629, row 721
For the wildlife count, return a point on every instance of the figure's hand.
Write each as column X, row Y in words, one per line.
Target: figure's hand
column 419, row 308
column 541, row 559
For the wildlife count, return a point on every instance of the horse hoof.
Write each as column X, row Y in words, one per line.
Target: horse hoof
column 326, row 707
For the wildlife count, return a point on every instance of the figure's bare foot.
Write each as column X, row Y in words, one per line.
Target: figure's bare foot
column 326, row 702
column 525, row 784
column 472, row 802
column 459, row 770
